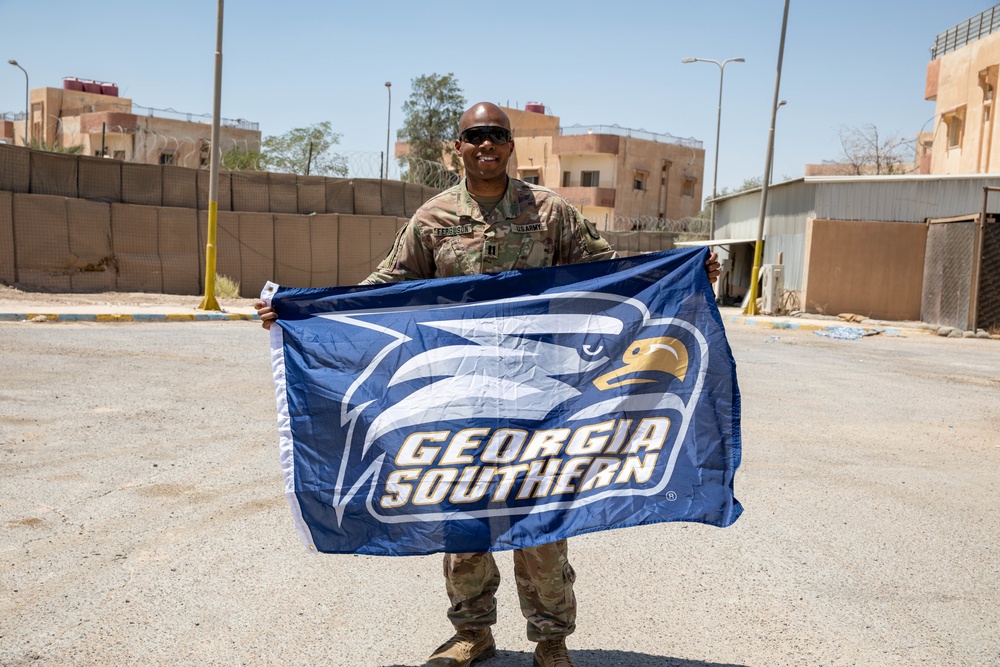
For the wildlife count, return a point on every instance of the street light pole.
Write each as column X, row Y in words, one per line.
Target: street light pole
column 718, row 127
column 770, row 175
column 209, row 302
column 27, row 103
column 758, row 252
column 388, row 119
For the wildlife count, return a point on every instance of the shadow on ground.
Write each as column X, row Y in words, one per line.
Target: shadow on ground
column 598, row 658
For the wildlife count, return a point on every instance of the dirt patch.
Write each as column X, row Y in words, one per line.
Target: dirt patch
column 30, row 522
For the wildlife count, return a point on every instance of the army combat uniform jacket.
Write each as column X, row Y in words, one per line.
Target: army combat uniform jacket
column 449, row 236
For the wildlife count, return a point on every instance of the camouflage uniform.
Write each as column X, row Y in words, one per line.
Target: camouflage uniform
column 544, row 580
column 449, row 236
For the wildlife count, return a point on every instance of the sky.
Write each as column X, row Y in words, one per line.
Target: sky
column 847, row 63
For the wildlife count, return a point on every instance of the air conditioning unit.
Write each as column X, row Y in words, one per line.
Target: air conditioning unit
column 772, row 287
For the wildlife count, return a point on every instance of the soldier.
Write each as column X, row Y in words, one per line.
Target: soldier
column 486, row 224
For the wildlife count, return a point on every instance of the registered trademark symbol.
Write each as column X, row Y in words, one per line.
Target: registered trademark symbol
column 671, row 495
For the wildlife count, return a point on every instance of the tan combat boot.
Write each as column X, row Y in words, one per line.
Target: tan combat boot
column 464, row 648
column 553, row 653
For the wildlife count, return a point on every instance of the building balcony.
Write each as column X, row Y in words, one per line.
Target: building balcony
column 585, row 144
column 603, row 197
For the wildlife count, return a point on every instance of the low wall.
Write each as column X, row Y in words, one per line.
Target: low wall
column 73, row 223
column 58, row 244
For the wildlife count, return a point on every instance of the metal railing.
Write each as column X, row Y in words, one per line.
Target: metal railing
column 629, row 132
column 981, row 25
column 193, row 118
column 139, row 110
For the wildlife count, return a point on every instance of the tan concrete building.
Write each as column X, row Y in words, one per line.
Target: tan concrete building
column 962, row 81
column 621, row 179
column 92, row 115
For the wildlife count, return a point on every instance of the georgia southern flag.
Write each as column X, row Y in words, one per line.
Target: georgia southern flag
column 496, row 412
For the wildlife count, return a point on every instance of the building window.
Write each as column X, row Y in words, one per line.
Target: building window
column 590, row 179
column 565, row 180
column 639, row 180
column 955, row 132
column 955, row 122
column 167, row 157
column 688, row 189
column 119, row 155
column 530, row 177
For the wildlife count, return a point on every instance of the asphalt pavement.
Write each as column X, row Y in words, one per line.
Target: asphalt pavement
column 143, row 521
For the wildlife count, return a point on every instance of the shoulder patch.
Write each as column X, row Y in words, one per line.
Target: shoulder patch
column 591, row 230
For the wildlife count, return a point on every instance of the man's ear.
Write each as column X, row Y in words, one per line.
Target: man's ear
column 458, row 146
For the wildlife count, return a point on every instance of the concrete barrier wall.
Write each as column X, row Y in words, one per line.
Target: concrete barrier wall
column 51, row 243
column 7, row 263
column 634, row 243
column 55, row 243
column 83, row 224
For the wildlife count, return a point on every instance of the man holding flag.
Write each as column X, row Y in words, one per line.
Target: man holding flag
column 491, row 223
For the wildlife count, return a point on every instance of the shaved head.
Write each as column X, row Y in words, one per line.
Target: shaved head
column 483, row 113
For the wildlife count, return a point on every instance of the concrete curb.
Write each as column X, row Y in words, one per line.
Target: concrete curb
column 781, row 324
column 126, row 317
column 872, row 326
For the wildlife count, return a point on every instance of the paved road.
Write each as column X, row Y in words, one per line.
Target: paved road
column 142, row 521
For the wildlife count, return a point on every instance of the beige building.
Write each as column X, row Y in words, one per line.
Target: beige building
column 962, row 81
column 620, row 179
column 92, row 115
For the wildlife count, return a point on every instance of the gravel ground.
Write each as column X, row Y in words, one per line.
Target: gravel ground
column 143, row 522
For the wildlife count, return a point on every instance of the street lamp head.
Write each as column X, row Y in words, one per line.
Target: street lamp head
column 739, row 60
column 388, row 84
column 13, row 62
column 689, row 60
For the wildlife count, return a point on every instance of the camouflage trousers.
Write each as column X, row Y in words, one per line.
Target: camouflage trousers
column 544, row 585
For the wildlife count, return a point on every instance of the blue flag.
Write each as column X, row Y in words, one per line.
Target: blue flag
column 505, row 411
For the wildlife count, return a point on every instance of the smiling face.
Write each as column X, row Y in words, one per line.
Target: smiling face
column 486, row 162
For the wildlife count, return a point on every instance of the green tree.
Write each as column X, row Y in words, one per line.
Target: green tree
column 238, row 160
column 304, row 150
column 431, row 116
column 38, row 145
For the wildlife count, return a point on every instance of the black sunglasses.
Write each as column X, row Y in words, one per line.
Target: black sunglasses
column 498, row 136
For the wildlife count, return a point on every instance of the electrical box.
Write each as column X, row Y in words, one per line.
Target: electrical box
column 772, row 288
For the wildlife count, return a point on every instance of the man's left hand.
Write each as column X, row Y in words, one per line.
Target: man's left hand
column 712, row 267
